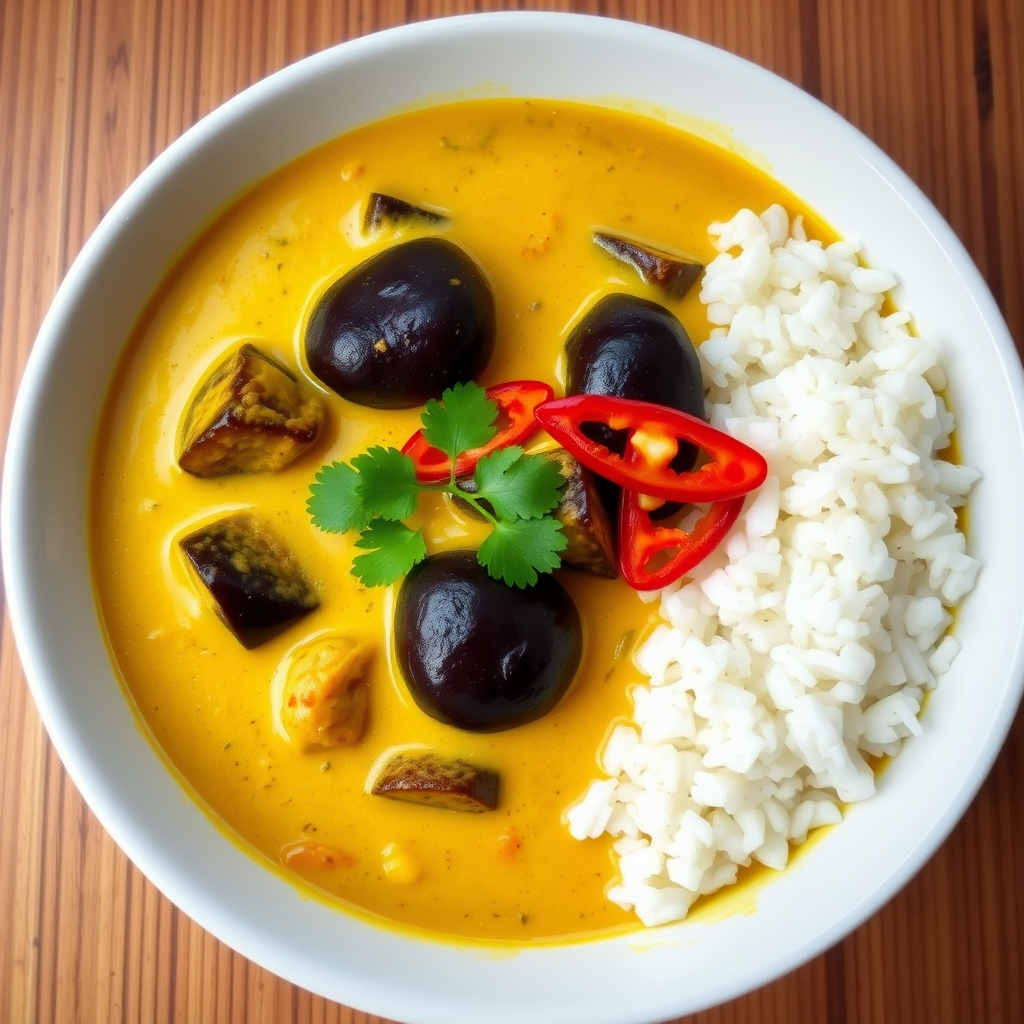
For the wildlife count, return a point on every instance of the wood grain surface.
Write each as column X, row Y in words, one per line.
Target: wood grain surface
column 92, row 90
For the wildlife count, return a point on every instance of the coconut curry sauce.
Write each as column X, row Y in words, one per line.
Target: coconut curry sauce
column 524, row 185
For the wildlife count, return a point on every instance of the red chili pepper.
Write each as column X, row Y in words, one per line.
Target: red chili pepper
column 653, row 556
column 655, row 431
column 517, row 403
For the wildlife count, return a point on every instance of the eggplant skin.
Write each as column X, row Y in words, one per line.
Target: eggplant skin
column 257, row 586
column 674, row 274
column 402, row 326
column 250, row 415
column 628, row 347
column 634, row 348
column 590, row 542
column 591, row 545
column 478, row 654
column 384, row 211
column 435, row 780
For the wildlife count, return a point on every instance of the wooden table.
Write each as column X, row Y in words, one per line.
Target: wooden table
column 92, row 90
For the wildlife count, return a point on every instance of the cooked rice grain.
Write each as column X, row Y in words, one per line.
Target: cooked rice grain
column 805, row 644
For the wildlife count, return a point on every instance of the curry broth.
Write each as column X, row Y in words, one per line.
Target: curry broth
column 524, row 184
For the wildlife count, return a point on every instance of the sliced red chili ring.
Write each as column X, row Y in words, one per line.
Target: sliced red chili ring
column 517, row 403
column 655, row 431
column 652, row 556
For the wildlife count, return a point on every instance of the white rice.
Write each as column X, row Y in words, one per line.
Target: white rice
column 807, row 641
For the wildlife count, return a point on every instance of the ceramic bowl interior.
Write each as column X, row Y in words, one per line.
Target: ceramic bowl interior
column 831, row 888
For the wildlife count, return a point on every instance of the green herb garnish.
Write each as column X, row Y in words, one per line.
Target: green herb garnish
column 378, row 491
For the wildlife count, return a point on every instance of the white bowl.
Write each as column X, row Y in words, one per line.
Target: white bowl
column 679, row 969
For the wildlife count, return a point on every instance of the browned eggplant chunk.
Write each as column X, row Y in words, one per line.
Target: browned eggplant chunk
column 402, row 326
column 250, row 416
column 429, row 778
column 591, row 547
column 257, row 585
column 585, row 524
column 673, row 274
column 388, row 211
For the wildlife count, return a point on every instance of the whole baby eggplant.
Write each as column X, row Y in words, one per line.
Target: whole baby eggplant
column 634, row 348
column 629, row 347
column 403, row 326
column 481, row 655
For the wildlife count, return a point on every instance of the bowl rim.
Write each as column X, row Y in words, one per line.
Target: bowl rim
column 16, row 520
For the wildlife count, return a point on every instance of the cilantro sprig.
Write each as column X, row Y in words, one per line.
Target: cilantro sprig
column 378, row 491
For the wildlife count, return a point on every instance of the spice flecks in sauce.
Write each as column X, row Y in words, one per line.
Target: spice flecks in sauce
column 525, row 184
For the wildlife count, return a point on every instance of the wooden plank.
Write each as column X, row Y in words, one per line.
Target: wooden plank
column 91, row 90
column 35, row 82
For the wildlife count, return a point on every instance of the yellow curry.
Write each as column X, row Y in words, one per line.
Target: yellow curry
column 523, row 184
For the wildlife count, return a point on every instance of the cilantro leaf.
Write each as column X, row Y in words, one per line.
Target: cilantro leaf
column 462, row 420
column 516, row 552
column 392, row 549
column 377, row 492
column 334, row 503
column 387, row 483
column 518, row 486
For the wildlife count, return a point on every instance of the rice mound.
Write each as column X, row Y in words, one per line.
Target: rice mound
column 807, row 641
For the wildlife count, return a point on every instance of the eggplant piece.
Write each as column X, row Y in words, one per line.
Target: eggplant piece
column 428, row 778
column 249, row 416
column 591, row 547
column 257, row 585
column 478, row 654
column 633, row 348
column 404, row 325
column 673, row 274
column 389, row 211
column 325, row 697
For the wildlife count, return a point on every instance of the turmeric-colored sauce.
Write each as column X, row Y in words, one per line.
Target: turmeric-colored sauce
column 524, row 184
